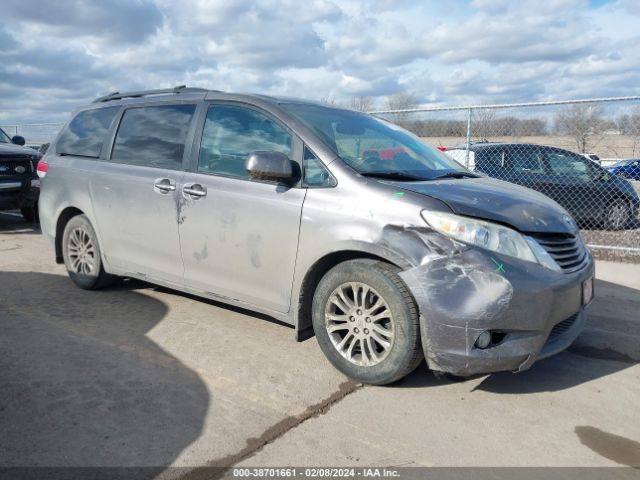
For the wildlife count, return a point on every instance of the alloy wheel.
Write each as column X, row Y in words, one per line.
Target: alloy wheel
column 82, row 254
column 618, row 215
column 359, row 323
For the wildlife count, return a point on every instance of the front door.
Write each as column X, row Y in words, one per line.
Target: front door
column 239, row 236
column 135, row 192
column 576, row 184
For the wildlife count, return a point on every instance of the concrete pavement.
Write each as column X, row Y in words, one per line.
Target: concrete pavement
column 138, row 375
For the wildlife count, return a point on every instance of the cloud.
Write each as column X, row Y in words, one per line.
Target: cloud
column 476, row 51
column 120, row 21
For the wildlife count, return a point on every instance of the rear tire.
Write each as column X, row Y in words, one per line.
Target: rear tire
column 366, row 322
column 82, row 255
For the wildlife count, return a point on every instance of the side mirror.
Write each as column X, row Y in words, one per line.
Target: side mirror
column 18, row 140
column 265, row 165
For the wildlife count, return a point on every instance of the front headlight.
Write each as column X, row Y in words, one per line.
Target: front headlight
column 491, row 236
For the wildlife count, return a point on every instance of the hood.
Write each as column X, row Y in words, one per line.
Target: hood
column 498, row 201
column 13, row 150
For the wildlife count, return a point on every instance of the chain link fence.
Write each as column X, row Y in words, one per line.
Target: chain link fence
column 582, row 154
column 35, row 134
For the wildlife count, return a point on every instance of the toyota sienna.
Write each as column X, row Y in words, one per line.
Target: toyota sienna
column 287, row 207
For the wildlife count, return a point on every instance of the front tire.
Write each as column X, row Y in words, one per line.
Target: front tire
column 366, row 322
column 82, row 256
column 617, row 215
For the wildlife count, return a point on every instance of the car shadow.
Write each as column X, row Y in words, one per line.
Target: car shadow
column 134, row 284
column 81, row 384
column 610, row 343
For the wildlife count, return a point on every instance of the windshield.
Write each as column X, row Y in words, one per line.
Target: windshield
column 374, row 147
column 4, row 138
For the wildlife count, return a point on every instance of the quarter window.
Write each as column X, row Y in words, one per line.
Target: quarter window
column 85, row 134
column 231, row 133
column 153, row 136
column 315, row 173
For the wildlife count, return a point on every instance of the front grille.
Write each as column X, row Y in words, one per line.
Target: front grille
column 560, row 328
column 567, row 250
column 8, row 167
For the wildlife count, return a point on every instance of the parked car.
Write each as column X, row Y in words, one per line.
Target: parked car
column 270, row 204
column 629, row 169
column 19, row 184
column 593, row 157
column 593, row 196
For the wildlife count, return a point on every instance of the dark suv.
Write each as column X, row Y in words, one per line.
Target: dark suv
column 19, row 184
column 594, row 196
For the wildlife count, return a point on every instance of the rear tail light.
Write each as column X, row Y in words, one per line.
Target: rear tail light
column 42, row 168
column 442, row 149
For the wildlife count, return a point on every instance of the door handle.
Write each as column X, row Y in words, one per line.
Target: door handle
column 194, row 190
column 164, row 185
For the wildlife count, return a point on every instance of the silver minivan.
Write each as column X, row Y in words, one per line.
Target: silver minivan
column 345, row 226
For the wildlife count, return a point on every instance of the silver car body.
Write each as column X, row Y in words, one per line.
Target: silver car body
column 264, row 246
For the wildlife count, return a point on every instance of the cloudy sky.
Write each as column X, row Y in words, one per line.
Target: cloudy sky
column 57, row 55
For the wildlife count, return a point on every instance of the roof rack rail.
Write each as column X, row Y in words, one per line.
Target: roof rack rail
column 144, row 93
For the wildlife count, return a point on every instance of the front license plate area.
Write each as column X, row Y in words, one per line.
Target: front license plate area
column 587, row 291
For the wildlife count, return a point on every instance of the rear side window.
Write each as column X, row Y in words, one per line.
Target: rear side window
column 153, row 136
column 493, row 160
column 85, row 134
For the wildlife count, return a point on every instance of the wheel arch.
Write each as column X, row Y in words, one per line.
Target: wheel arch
column 303, row 323
column 67, row 214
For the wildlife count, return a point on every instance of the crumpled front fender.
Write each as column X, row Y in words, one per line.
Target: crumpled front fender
column 459, row 297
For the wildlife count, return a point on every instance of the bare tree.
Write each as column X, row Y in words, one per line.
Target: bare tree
column 361, row 104
column 483, row 124
column 582, row 122
column 629, row 125
column 330, row 100
column 401, row 101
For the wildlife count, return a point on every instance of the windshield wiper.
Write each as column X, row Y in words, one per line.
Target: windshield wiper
column 401, row 176
column 456, row 175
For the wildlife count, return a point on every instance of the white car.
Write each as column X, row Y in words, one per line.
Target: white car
column 592, row 156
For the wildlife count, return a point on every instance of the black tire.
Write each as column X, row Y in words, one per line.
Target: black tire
column 619, row 220
column 29, row 214
column 96, row 277
column 405, row 352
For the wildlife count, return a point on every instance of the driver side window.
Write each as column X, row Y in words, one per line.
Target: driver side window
column 565, row 164
column 231, row 133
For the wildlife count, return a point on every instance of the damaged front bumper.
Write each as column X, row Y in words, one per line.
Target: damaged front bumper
column 530, row 311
